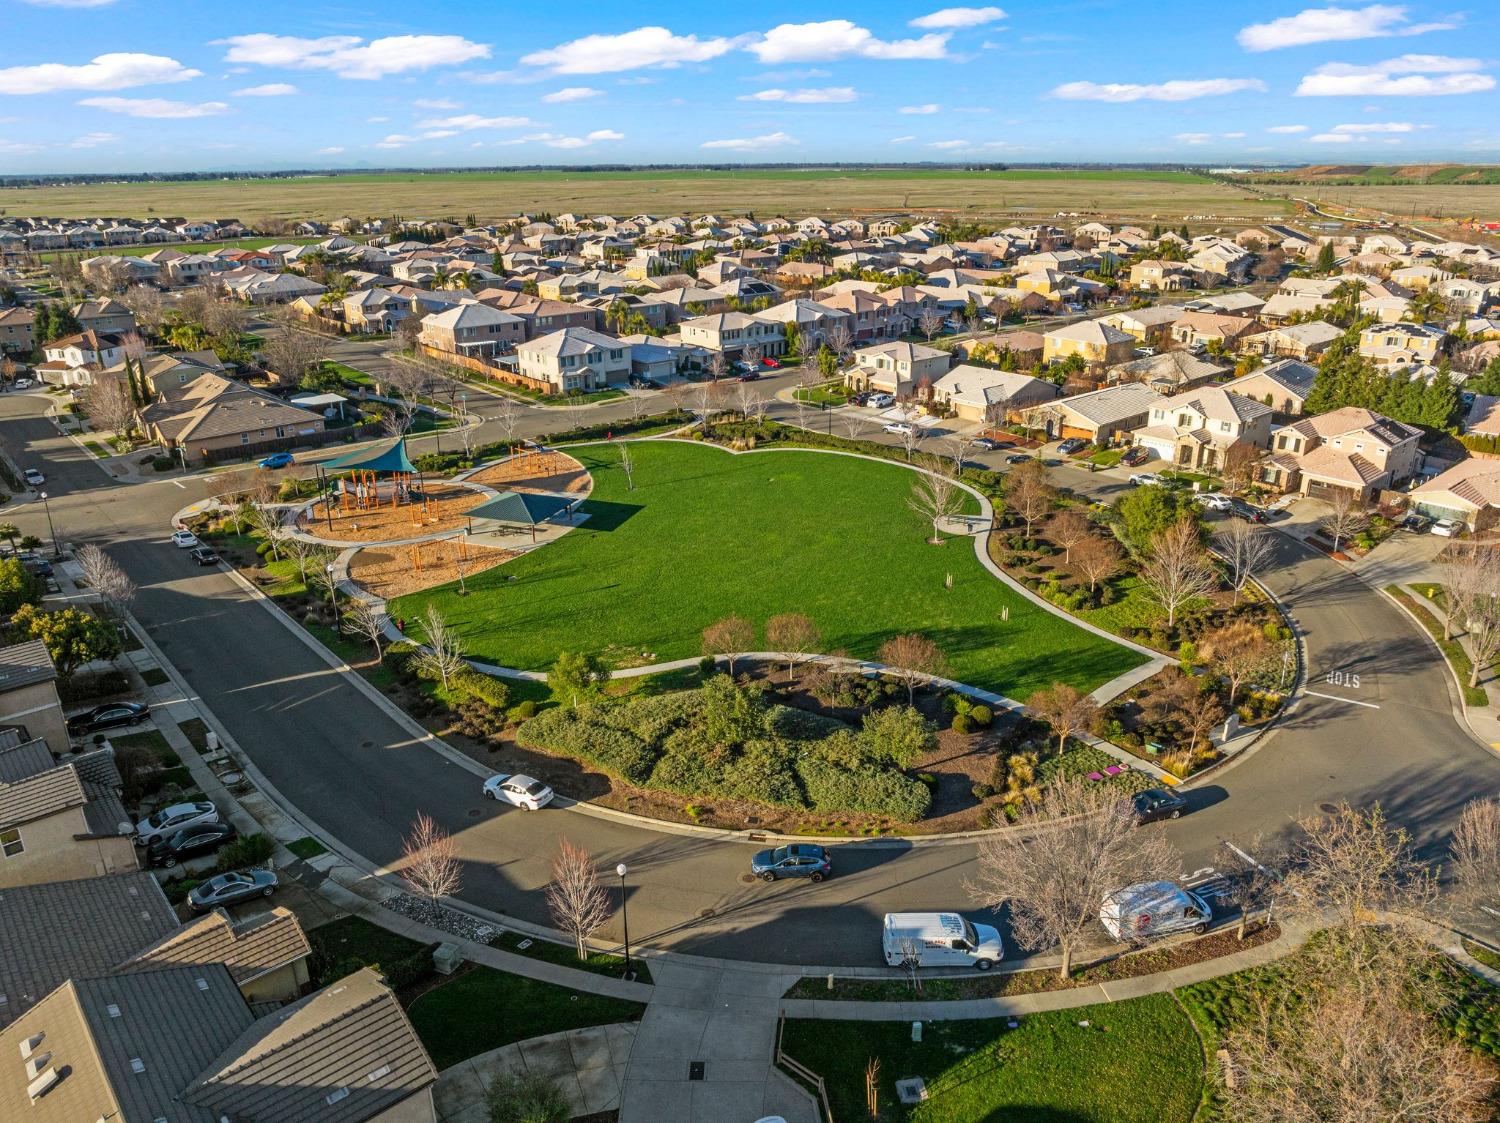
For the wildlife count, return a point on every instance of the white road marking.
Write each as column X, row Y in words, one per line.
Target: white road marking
column 1336, row 698
column 180, row 484
column 1246, row 858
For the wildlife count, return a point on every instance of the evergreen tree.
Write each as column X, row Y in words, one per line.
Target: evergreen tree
column 1486, row 381
column 1187, row 235
column 1440, row 399
column 1326, row 261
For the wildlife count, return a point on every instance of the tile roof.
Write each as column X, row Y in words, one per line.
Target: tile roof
column 1476, row 482
column 213, row 406
column 22, row 664
column 62, row 929
column 40, row 795
column 1216, row 403
column 1114, row 403
column 250, row 948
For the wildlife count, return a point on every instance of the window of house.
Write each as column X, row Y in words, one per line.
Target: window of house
column 244, row 438
column 10, row 843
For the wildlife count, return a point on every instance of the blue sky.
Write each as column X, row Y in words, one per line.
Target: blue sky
column 133, row 85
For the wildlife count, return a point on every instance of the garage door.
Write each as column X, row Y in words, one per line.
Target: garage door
column 1319, row 489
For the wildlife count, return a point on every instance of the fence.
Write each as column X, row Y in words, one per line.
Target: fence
column 801, row 1071
column 489, row 370
column 258, row 449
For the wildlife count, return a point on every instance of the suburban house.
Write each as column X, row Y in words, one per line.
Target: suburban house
column 266, row 953
column 729, row 333
column 991, row 396
column 16, row 333
column 1094, row 340
column 1195, row 430
column 374, row 310
column 212, row 419
column 1101, row 416
column 1156, row 275
column 1402, row 345
column 29, row 705
column 1483, row 416
column 813, row 320
column 575, row 360
column 543, row 317
column 105, row 315
column 1025, row 346
column 59, row 821
column 273, row 288
column 472, row 330
column 1148, row 325
column 1468, row 492
column 1349, row 449
column 1283, row 385
column 1168, row 372
column 1294, row 341
column 898, row 368
column 75, row 359
column 181, row 1043
column 176, row 368
column 1202, row 328
column 868, row 317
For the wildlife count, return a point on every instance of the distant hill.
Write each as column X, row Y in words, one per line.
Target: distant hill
column 1351, row 175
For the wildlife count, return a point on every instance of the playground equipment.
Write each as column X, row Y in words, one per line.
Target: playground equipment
column 533, row 460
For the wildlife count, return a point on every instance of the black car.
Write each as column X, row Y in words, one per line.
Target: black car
column 1157, row 803
column 108, row 716
column 1242, row 510
column 204, row 555
column 1018, row 458
column 1072, row 445
column 35, row 563
column 1135, row 456
column 202, row 838
column 1417, row 524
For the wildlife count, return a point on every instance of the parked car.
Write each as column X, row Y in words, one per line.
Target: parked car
column 750, row 376
column 34, row 477
column 880, row 401
column 1214, row 501
column 1242, row 510
column 1072, row 445
column 170, row 820
column 35, row 563
column 1019, row 458
column 800, row 859
column 1146, row 479
column 112, row 715
column 1135, row 456
column 24, row 384
column 770, row 363
column 939, row 939
column 230, row 888
column 189, row 842
column 987, row 444
column 278, row 460
column 1417, row 524
column 1157, row 803
column 1153, row 908
column 518, row 791
column 900, row 428
column 1447, row 528
column 184, row 539
column 204, row 555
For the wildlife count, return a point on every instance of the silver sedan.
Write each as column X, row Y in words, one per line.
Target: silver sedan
column 229, row 888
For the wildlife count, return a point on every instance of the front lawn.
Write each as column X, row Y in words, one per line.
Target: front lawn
column 704, row 534
column 832, row 393
column 1128, row 1062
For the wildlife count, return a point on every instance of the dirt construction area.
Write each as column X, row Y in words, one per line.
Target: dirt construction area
column 394, row 571
column 546, row 472
column 443, row 510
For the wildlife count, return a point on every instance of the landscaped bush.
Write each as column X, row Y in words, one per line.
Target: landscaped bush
column 521, row 711
column 831, row 787
column 483, row 688
column 250, row 850
column 981, row 716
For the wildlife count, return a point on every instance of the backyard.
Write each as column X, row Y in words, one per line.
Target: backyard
column 704, row 534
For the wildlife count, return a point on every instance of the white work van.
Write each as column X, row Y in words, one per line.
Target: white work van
column 1154, row 908
column 940, row 939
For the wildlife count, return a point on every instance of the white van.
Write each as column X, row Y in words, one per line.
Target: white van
column 941, row 939
column 1154, row 908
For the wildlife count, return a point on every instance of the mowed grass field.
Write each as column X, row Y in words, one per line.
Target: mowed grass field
column 761, row 191
column 706, row 533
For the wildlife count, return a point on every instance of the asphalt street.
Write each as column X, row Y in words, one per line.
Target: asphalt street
column 345, row 764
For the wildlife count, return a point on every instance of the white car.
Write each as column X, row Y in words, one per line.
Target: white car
column 1214, row 501
column 169, row 820
column 880, row 401
column 900, row 428
column 518, row 791
column 1143, row 479
column 184, row 539
column 34, row 477
column 1447, row 528
column 24, row 384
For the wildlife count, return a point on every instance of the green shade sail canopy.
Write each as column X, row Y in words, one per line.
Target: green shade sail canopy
column 392, row 458
column 523, row 507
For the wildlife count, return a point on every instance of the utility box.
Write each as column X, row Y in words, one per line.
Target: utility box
column 447, row 959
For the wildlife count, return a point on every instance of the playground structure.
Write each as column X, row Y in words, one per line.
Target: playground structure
column 361, row 490
column 528, row 469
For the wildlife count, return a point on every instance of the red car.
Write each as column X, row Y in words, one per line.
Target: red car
column 774, row 364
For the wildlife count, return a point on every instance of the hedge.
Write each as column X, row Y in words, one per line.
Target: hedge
column 831, row 787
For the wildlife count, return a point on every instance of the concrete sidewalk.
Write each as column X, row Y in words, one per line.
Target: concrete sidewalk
column 588, row 1065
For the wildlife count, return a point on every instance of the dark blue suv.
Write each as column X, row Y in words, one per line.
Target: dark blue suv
column 801, row 859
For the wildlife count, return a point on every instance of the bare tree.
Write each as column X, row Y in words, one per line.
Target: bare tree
column 718, row 365
column 429, row 862
column 443, row 656
column 1476, row 852
column 1200, row 712
column 102, row 573
column 853, row 424
column 840, row 340
column 407, row 382
column 930, row 322
column 1176, row 571
column 1241, row 653
column 1029, row 494
column 913, row 659
column 705, row 402
column 627, row 465
column 730, row 638
column 793, row 637
column 1068, row 528
column 507, row 417
column 368, row 621
column 639, row 405
column 1253, row 885
column 911, row 439
column 578, row 903
column 752, row 355
column 1241, row 462
column 110, row 407
column 1075, row 845
column 1098, row 559
column 408, row 328
column 266, row 521
column 1473, row 592
column 1346, row 518
column 1246, row 549
column 936, row 498
column 303, row 551
column 145, row 303
column 1468, row 572
column 290, row 352
column 1065, row 708
column 745, row 397
column 957, row 446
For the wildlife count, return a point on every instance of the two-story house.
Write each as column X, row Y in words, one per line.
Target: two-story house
column 575, row 360
column 813, row 320
column 1402, row 345
column 898, row 368
column 1094, row 341
column 29, row 703
column 1350, row 449
column 17, row 336
column 473, row 330
column 1202, row 328
column 1283, row 385
column 1195, row 430
column 75, row 359
column 731, row 332
column 867, row 317
column 1148, row 325
column 104, row 315
column 1294, row 341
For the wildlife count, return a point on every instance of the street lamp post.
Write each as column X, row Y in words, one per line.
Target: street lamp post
column 333, row 600
column 622, row 870
column 51, row 530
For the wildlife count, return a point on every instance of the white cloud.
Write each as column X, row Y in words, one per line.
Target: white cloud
column 157, row 107
column 1405, row 76
column 331, row 150
column 902, row 139
column 1287, row 129
column 1323, row 25
column 840, row 38
column 825, row 96
column 349, row 56
column 19, row 147
column 1176, row 90
column 751, row 143
column 1232, row 136
column 1194, row 138
column 921, row 110
column 395, row 140
column 68, row 3
column 950, row 144
column 271, row 89
column 553, row 140
column 605, row 134
column 435, row 103
column 439, row 134
column 93, row 140
column 376, row 120
column 1377, row 127
column 632, row 50
column 1331, row 138
column 466, row 121
column 117, row 71
column 958, row 17
column 571, row 93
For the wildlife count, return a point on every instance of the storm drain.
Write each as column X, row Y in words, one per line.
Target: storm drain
column 748, row 878
column 475, row 812
column 706, row 914
column 1328, row 808
column 695, row 1070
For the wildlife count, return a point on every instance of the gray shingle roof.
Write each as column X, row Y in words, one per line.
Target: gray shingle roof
column 250, row 948
column 22, row 664
column 54, row 931
column 40, row 795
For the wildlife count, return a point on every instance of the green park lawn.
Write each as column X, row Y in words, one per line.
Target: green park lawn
column 705, row 534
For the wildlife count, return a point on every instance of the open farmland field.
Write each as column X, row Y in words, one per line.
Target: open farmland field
column 1415, row 201
column 1139, row 194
